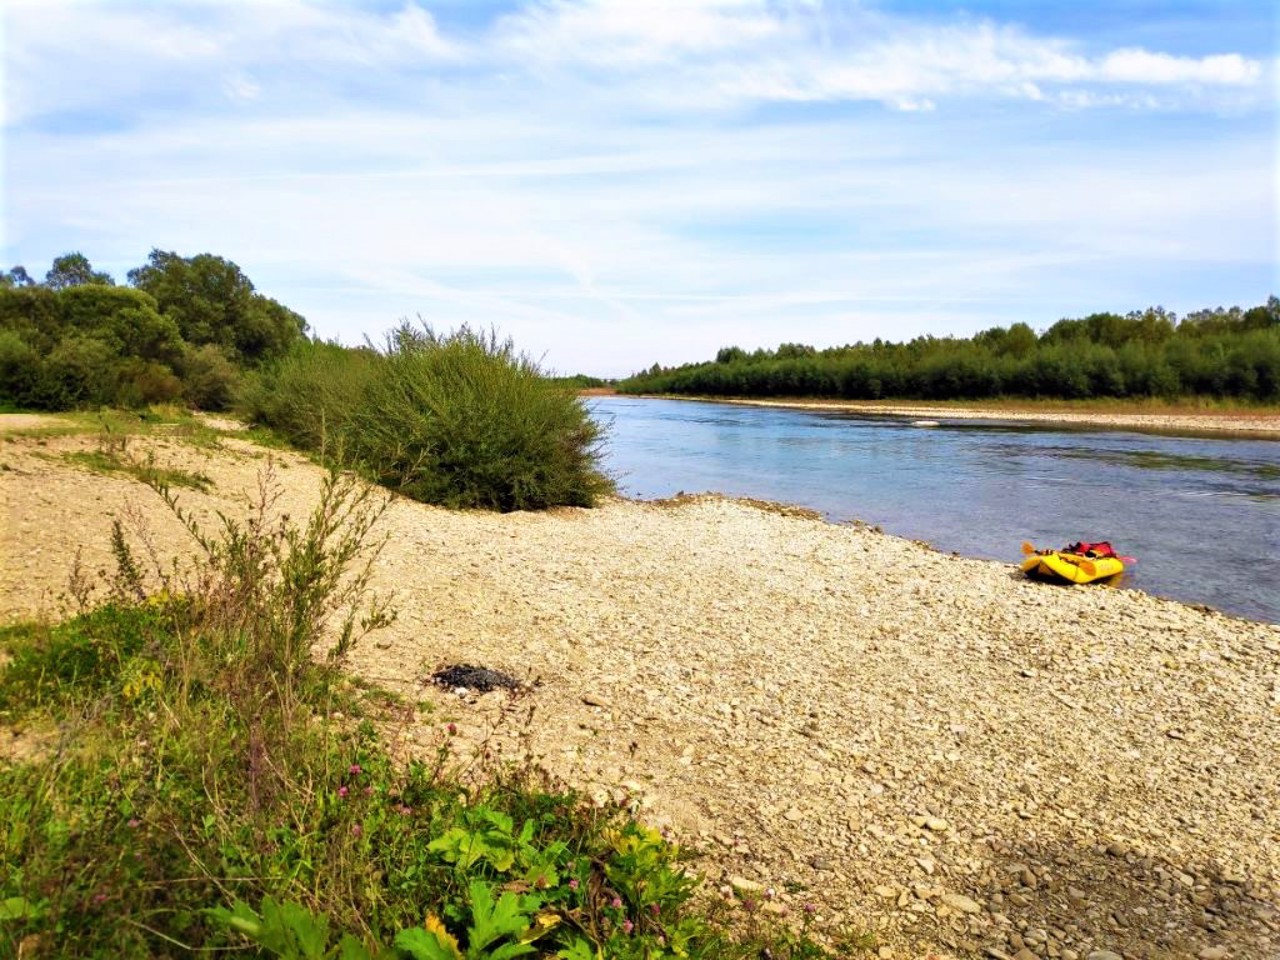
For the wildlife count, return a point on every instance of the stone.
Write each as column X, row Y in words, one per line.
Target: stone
column 961, row 903
column 1214, row 953
column 937, row 825
column 746, row 888
column 1103, row 955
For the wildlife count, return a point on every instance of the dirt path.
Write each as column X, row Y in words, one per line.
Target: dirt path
column 925, row 746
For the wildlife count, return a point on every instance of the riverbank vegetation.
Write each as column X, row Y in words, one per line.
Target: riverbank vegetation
column 185, row 330
column 1219, row 354
column 461, row 419
column 202, row 776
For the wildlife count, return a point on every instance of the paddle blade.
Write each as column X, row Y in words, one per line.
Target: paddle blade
column 1088, row 567
column 1028, row 547
column 1030, row 564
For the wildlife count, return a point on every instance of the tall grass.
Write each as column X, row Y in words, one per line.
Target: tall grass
column 458, row 419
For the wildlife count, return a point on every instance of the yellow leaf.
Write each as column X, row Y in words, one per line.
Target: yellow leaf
column 542, row 924
column 435, row 927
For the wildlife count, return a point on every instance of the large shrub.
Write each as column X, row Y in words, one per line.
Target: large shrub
column 462, row 419
column 311, row 395
column 458, row 419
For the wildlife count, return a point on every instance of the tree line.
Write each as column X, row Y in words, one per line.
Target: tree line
column 183, row 330
column 1221, row 353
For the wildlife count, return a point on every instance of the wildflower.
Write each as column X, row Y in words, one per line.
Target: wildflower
column 770, row 893
column 749, row 905
column 810, row 908
column 627, row 926
column 368, row 791
column 616, row 903
column 342, row 792
column 356, row 829
column 655, row 909
column 573, row 884
column 134, row 823
column 355, row 770
column 453, row 729
column 405, row 810
column 99, row 898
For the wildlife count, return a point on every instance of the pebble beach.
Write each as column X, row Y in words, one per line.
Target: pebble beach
column 842, row 723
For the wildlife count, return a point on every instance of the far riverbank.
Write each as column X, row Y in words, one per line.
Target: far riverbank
column 1253, row 422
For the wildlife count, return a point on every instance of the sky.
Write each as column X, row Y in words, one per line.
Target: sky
column 617, row 183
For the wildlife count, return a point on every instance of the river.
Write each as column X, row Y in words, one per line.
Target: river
column 1201, row 515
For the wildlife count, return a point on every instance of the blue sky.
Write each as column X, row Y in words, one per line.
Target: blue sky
column 615, row 184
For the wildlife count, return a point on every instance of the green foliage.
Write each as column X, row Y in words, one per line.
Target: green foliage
column 1231, row 355
column 211, row 379
column 579, row 381
column 458, row 419
column 311, row 395
column 75, row 660
column 183, row 333
column 19, row 370
column 462, row 420
column 213, row 302
column 73, row 270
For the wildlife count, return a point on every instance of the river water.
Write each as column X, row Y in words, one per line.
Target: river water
column 1202, row 516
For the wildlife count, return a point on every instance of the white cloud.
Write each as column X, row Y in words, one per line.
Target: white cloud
column 598, row 181
column 1142, row 66
column 78, row 56
column 619, row 34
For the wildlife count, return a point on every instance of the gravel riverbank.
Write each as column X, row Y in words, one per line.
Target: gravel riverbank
column 1254, row 423
column 924, row 746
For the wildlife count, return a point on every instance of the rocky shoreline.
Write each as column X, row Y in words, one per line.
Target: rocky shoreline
column 926, row 747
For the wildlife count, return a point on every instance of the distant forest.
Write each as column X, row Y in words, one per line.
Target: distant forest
column 185, row 330
column 1227, row 354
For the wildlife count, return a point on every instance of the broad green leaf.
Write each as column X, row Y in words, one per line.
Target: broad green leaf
column 349, row 948
column 310, row 934
column 492, row 921
column 18, row 908
column 580, row 949
column 434, row 943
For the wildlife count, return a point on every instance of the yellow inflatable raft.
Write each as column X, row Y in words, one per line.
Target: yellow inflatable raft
column 1068, row 566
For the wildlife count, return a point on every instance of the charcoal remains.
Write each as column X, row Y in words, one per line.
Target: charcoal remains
column 479, row 679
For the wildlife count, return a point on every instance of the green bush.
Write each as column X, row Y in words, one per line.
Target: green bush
column 458, row 419
column 311, row 395
column 78, row 372
column 462, row 420
column 19, row 370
